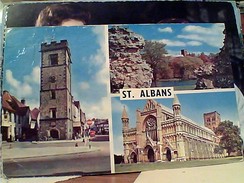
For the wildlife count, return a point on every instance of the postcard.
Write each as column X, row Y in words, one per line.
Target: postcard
column 183, row 56
column 118, row 87
column 156, row 69
column 55, row 101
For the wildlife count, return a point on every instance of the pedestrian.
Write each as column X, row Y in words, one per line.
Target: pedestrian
column 63, row 14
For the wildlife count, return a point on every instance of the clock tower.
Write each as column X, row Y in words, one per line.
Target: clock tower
column 55, row 91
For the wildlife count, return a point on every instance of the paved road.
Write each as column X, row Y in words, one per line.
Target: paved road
column 97, row 160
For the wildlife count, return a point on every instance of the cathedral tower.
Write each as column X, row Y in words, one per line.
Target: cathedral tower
column 176, row 107
column 55, row 91
column 125, row 122
column 212, row 120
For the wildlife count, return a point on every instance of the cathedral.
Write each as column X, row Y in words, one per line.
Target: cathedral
column 164, row 134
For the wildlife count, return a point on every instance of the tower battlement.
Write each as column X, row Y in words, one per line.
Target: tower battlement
column 54, row 45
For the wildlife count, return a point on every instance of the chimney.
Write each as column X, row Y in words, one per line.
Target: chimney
column 23, row 101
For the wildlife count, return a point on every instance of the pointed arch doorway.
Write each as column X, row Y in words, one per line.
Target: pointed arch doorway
column 168, row 154
column 150, row 154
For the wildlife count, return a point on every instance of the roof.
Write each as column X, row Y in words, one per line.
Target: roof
column 6, row 102
column 124, row 113
column 176, row 100
column 34, row 114
column 12, row 104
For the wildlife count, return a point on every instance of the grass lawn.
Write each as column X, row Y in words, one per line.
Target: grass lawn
column 138, row 167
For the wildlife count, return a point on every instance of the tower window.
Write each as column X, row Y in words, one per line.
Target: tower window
column 53, row 94
column 53, row 112
column 53, row 59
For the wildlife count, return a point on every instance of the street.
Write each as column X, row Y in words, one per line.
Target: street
column 83, row 160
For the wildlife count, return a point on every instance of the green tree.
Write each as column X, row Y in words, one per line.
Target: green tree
column 153, row 53
column 230, row 136
column 218, row 150
column 164, row 71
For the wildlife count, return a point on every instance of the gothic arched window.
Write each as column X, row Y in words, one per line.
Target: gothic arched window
column 151, row 127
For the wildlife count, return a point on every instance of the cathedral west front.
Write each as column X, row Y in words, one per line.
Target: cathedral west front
column 164, row 134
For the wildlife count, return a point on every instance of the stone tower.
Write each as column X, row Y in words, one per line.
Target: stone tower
column 176, row 107
column 212, row 120
column 55, row 91
column 125, row 122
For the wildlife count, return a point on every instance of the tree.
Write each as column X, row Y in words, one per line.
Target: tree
column 230, row 136
column 164, row 71
column 218, row 150
column 153, row 53
column 224, row 75
column 184, row 67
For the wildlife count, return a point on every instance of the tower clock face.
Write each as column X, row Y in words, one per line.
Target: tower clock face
column 52, row 79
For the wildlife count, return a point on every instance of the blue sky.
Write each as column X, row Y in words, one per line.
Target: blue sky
column 89, row 64
column 193, row 106
column 195, row 38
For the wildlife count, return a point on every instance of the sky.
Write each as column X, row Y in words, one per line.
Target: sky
column 195, row 38
column 89, row 64
column 193, row 106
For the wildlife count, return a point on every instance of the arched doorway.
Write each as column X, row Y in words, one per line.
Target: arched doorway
column 150, row 155
column 168, row 154
column 54, row 133
column 133, row 157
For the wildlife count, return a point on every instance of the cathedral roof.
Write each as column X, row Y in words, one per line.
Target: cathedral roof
column 124, row 113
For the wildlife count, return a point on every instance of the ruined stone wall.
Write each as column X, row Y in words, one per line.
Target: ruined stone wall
column 127, row 68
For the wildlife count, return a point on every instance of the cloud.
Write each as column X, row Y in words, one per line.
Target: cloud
column 102, row 76
column 34, row 77
column 97, row 109
column 171, row 42
column 99, row 59
column 84, row 85
column 102, row 41
column 33, row 103
column 215, row 29
column 28, row 88
column 194, row 43
column 166, row 29
column 212, row 36
column 23, row 89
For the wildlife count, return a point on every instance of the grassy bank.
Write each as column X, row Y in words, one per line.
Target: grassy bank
column 172, row 165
